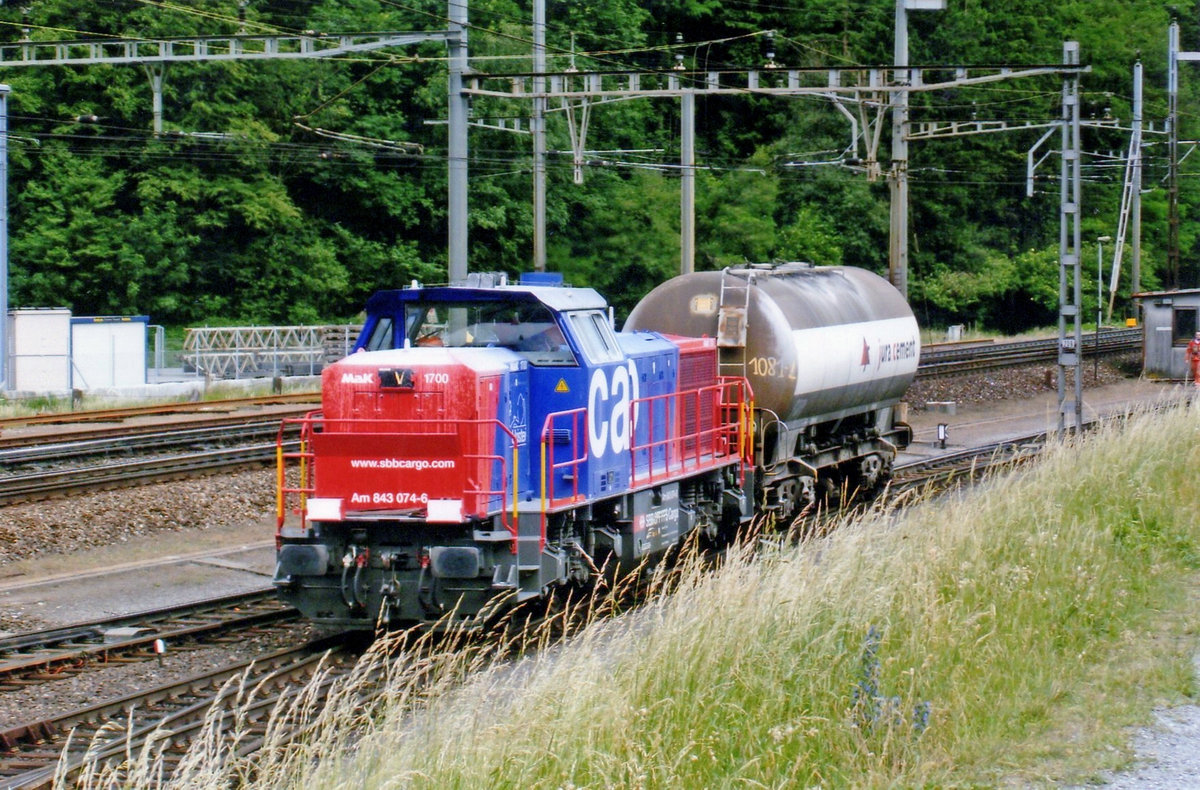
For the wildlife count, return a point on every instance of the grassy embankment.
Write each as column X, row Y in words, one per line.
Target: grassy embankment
column 1012, row 635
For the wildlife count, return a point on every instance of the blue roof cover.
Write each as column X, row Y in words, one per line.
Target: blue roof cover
column 557, row 299
column 110, row 319
column 541, row 278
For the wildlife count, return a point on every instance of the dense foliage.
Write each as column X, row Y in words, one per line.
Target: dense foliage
column 286, row 191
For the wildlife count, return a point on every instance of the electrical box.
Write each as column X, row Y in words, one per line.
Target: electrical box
column 108, row 351
column 40, row 358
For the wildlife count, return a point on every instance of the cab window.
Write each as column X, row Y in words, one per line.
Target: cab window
column 595, row 336
column 381, row 335
column 1185, row 326
column 528, row 328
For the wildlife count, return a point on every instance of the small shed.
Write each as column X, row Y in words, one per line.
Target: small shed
column 108, row 351
column 1170, row 320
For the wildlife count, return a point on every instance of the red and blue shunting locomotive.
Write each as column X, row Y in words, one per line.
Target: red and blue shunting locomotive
column 487, row 443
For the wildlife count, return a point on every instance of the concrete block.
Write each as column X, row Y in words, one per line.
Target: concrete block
column 941, row 406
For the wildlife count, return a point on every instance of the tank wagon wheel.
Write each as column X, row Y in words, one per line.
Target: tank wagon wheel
column 873, row 472
column 794, row 496
column 807, row 495
column 870, row 470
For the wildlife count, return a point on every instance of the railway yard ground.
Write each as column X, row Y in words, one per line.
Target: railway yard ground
column 110, row 552
column 67, row 560
column 973, row 420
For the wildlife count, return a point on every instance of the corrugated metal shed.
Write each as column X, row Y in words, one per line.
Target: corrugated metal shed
column 1171, row 319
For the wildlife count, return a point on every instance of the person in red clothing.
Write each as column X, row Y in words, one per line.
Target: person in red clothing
column 1193, row 358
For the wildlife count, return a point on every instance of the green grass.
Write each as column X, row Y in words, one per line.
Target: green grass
column 938, row 334
column 1008, row 635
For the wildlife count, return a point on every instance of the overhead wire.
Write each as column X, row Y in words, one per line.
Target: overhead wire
column 602, row 55
column 233, row 20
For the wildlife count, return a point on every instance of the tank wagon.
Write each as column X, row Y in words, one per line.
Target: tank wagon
column 487, row 443
column 828, row 351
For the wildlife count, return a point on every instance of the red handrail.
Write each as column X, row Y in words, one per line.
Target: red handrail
column 729, row 437
column 574, row 463
column 690, row 452
column 306, row 484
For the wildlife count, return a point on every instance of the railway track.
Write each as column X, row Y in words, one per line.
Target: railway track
column 87, row 438
column 46, row 484
column 227, row 442
column 964, row 465
column 142, row 440
column 57, row 653
column 159, row 409
column 171, row 716
column 957, row 358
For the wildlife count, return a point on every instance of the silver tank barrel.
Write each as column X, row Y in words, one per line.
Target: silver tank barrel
column 816, row 343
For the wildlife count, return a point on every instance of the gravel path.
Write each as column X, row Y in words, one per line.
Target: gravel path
column 1168, row 753
column 104, row 518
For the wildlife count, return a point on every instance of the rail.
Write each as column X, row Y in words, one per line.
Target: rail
column 128, row 412
column 137, row 441
column 964, row 358
column 64, row 651
column 168, row 717
column 48, row 484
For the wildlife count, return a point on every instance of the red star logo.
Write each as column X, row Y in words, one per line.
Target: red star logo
column 866, row 358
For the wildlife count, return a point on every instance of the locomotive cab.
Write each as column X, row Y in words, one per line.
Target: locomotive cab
column 482, row 445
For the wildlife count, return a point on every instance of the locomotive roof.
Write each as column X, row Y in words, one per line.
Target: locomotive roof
column 555, row 297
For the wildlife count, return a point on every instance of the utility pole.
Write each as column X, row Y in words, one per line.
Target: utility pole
column 456, row 217
column 155, row 72
column 1173, row 58
column 537, row 127
column 1070, row 293
column 898, row 175
column 687, row 169
column 1135, row 216
column 5, row 381
column 687, row 186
